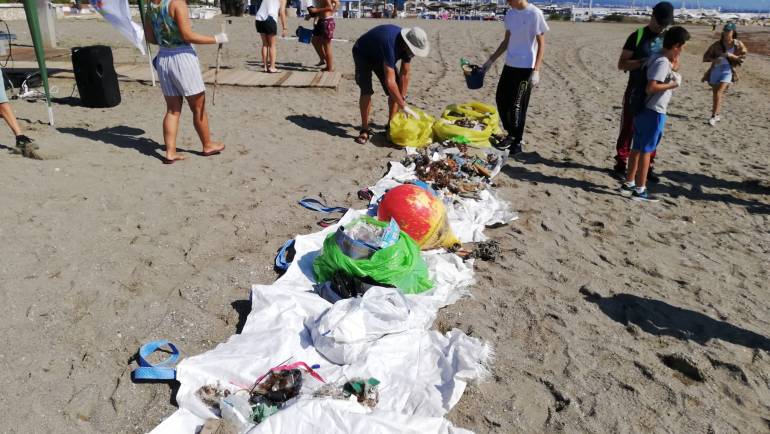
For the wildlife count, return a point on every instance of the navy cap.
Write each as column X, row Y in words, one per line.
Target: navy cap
column 663, row 13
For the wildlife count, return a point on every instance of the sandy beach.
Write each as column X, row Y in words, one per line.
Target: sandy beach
column 606, row 315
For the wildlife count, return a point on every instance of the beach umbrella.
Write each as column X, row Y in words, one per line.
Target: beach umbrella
column 37, row 41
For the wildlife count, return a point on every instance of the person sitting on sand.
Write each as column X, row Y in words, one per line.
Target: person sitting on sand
column 377, row 51
column 639, row 47
column 524, row 43
column 725, row 55
column 24, row 145
column 167, row 24
column 323, row 32
column 650, row 123
column 266, row 22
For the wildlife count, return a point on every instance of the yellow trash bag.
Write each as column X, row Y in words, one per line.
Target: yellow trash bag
column 407, row 131
column 445, row 129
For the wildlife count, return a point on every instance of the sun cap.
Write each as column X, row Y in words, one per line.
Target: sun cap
column 417, row 41
column 730, row 27
column 663, row 13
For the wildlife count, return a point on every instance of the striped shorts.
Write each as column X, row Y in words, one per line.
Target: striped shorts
column 179, row 72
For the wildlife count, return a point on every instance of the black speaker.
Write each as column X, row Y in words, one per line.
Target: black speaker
column 95, row 76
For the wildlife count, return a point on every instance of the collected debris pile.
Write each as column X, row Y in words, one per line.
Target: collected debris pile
column 269, row 394
column 456, row 167
column 470, row 124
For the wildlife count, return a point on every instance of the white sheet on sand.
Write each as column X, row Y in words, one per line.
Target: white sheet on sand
column 384, row 334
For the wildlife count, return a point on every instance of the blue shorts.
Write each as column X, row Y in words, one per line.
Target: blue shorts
column 648, row 130
column 721, row 74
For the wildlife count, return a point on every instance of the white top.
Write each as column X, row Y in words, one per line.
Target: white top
column 268, row 8
column 723, row 61
column 660, row 70
column 524, row 25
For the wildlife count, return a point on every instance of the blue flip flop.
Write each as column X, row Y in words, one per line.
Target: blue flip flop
column 160, row 372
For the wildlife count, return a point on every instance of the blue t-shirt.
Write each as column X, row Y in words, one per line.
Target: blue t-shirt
column 380, row 46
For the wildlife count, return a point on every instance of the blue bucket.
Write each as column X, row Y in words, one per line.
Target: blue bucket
column 304, row 35
column 475, row 77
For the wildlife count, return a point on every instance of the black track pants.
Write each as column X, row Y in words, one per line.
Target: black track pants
column 513, row 99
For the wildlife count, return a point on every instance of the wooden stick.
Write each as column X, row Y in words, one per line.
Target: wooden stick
column 216, row 71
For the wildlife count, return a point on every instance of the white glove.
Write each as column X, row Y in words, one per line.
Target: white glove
column 221, row 38
column 677, row 78
column 409, row 112
column 534, row 79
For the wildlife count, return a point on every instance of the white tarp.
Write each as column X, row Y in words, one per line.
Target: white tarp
column 384, row 335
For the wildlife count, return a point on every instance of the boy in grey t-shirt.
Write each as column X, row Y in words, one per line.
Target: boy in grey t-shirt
column 650, row 122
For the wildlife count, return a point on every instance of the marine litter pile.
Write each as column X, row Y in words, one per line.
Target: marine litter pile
column 342, row 341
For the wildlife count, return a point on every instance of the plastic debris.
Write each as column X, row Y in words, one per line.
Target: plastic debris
column 399, row 265
column 362, row 390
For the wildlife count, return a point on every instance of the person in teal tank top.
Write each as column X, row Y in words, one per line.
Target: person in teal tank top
column 164, row 27
column 167, row 24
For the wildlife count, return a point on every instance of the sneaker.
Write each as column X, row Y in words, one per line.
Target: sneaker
column 619, row 169
column 652, row 177
column 644, row 196
column 625, row 190
column 24, row 142
column 504, row 144
column 713, row 120
column 516, row 148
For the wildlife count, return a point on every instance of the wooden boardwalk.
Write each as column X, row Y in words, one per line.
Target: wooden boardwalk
column 227, row 77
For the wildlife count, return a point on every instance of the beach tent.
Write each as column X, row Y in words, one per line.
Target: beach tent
column 30, row 9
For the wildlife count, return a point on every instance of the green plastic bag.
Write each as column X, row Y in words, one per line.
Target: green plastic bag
column 399, row 265
column 445, row 129
column 407, row 131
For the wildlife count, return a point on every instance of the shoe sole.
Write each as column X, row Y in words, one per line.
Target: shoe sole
column 642, row 199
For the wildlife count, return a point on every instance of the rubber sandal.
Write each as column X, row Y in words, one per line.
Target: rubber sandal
column 285, row 256
column 363, row 136
column 162, row 371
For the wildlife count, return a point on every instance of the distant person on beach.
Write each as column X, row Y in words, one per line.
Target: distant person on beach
column 725, row 55
column 323, row 32
column 24, row 145
column 377, row 52
column 266, row 20
column 167, row 24
column 639, row 47
column 524, row 45
column 650, row 122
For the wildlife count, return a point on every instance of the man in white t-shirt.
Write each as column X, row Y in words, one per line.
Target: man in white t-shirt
column 523, row 44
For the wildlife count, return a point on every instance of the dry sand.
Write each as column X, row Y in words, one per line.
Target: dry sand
column 607, row 315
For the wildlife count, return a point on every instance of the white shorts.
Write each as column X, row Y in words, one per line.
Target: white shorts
column 179, row 72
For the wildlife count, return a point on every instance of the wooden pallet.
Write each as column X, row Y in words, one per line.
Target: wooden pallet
column 227, row 77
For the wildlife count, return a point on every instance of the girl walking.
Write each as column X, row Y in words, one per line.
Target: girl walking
column 725, row 55
column 268, row 14
column 167, row 24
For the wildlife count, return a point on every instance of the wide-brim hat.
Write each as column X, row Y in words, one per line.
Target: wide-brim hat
column 417, row 41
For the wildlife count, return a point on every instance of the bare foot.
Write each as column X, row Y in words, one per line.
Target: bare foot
column 173, row 158
column 272, row 70
column 213, row 148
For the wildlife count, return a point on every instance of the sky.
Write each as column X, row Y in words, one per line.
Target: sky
column 762, row 5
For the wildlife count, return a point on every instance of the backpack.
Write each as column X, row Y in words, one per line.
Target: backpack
column 638, row 97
